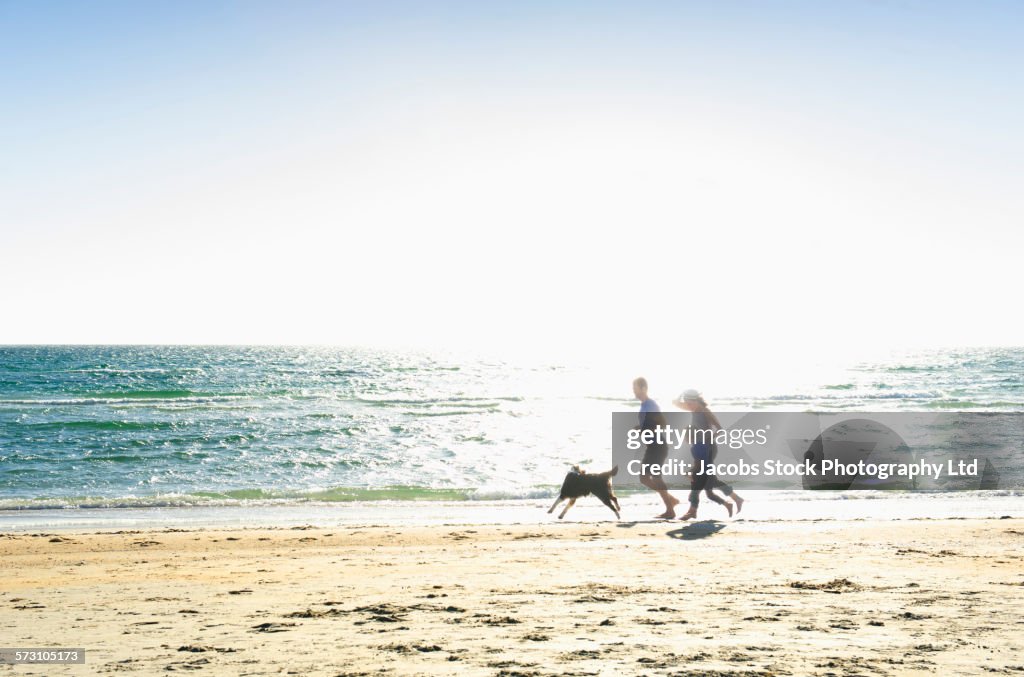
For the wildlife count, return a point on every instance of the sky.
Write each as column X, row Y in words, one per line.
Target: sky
column 778, row 178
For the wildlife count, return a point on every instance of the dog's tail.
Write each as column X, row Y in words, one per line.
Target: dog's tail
column 615, row 471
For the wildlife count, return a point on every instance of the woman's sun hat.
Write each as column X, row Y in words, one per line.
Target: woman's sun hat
column 690, row 395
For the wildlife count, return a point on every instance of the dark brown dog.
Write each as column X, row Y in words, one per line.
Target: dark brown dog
column 578, row 483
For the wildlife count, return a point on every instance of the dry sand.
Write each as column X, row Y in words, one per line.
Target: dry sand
column 741, row 598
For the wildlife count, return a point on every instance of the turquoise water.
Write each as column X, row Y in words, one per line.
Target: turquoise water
column 151, row 426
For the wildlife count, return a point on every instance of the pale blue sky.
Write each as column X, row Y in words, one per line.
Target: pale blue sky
column 482, row 172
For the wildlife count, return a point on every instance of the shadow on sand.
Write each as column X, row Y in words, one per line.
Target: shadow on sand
column 632, row 523
column 692, row 532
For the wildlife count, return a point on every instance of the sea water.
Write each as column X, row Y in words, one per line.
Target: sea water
column 200, row 435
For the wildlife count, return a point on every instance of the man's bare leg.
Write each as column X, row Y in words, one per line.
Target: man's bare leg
column 657, row 484
column 670, row 505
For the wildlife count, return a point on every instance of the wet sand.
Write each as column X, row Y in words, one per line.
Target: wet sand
column 736, row 598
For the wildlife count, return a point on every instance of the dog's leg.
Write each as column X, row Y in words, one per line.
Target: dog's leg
column 607, row 500
column 557, row 501
column 571, row 502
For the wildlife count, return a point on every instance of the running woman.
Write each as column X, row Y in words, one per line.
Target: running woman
column 704, row 450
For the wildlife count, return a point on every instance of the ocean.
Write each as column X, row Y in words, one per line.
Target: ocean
column 123, row 435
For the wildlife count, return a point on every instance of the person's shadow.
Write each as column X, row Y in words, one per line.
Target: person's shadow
column 695, row 530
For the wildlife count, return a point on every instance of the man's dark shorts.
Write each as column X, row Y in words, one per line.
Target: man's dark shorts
column 655, row 454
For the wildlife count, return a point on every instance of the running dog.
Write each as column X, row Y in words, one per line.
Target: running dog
column 578, row 483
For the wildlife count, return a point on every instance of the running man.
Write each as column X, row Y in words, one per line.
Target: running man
column 655, row 454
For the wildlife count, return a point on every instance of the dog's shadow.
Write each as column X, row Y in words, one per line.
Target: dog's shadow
column 696, row 530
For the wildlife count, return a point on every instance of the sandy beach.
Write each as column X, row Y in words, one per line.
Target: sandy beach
column 738, row 598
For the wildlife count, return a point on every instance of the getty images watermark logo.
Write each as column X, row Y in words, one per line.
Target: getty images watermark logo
column 675, row 438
